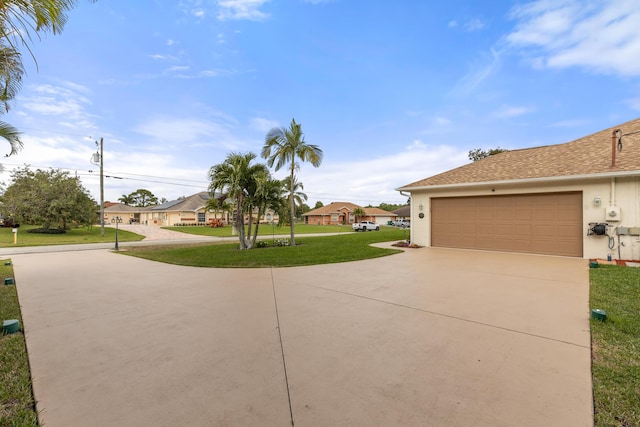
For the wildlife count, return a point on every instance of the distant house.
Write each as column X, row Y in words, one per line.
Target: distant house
column 190, row 210
column 403, row 212
column 342, row 213
column 578, row 199
column 128, row 214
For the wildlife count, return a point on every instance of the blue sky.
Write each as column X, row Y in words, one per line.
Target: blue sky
column 392, row 92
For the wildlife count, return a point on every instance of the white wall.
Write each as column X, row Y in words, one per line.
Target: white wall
column 627, row 198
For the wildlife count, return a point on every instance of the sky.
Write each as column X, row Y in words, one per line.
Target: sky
column 392, row 92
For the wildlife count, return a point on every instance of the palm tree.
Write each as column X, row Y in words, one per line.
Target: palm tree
column 268, row 195
column 359, row 213
column 283, row 146
column 127, row 199
column 294, row 192
column 19, row 20
column 237, row 178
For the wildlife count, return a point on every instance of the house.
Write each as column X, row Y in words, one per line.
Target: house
column 190, row 210
column 403, row 212
column 128, row 214
column 342, row 213
column 187, row 210
column 577, row 199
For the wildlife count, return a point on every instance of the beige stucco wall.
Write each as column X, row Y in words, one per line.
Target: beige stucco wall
column 626, row 192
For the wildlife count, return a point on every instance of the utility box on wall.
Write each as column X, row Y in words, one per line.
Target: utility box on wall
column 612, row 213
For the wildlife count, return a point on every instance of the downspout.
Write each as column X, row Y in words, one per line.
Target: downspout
column 612, row 201
column 613, row 148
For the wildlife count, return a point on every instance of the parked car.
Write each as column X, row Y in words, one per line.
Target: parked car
column 402, row 223
column 365, row 226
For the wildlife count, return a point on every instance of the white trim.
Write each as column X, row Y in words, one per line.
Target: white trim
column 523, row 181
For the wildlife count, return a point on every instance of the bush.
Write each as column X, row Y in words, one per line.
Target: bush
column 47, row 230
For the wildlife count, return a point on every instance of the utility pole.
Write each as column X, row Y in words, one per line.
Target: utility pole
column 101, row 189
column 96, row 158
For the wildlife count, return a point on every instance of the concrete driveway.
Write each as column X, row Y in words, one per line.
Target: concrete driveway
column 429, row 337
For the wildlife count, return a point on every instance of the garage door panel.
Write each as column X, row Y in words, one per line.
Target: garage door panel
column 537, row 223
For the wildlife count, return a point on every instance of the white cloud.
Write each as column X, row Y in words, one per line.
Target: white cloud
column 452, row 24
column 575, row 123
column 66, row 101
column 263, row 125
column 510, row 111
column 475, row 24
column 191, row 132
column 478, row 73
column 241, row 9
column 601, row 36
column 374, row 181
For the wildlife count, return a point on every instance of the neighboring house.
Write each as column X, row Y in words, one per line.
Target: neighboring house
column 128, row 214
column 403, row 213
column 189, row 210
column 379, row 215
column 342, row 213
column 578, row 199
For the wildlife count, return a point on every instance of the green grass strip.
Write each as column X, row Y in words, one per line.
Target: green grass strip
column 17, row 406
column 616, row 346
column 73, row 236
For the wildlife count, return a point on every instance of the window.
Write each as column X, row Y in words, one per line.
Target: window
column 334, row 217
column 201, row 217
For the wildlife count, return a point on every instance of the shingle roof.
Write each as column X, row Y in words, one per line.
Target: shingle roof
column 584, row 156
column 377, row 212
column 189, row 204
column 333, row 207
column 121, row 207
column 403, row 211
column 336, row 207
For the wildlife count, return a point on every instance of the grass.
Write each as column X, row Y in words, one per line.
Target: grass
column 17, row 406
column 308, row 251
column 73, row 236
column 265, row 230
column 616, row 346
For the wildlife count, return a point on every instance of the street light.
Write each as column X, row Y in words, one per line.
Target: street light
column 273, row 233
column 116, row 220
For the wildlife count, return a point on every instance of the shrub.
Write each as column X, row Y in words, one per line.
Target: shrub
column 47, row 230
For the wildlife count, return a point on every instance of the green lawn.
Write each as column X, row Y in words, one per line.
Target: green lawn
column 74, row 236
column 264, row 230
column 616, row 346
column 308, row 251
column 17, row 407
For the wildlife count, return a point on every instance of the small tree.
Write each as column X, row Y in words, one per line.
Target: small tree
column 142, row 198
column 127, row 199
column 479, row 153
column 48, row 197
column 359, row 213
column 244, row 183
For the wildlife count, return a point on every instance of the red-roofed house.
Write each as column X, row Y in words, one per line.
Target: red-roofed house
column 342, row 213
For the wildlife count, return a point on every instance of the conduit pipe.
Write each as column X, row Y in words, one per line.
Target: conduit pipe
column 613, row 147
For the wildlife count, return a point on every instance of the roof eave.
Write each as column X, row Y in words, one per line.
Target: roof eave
column 566, row 178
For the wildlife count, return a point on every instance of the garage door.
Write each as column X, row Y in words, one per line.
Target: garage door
column 549, row 223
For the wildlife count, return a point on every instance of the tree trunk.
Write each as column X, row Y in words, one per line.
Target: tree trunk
column 292, row 205
column 240, row 224
column 255, row 231
column 248, row 242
